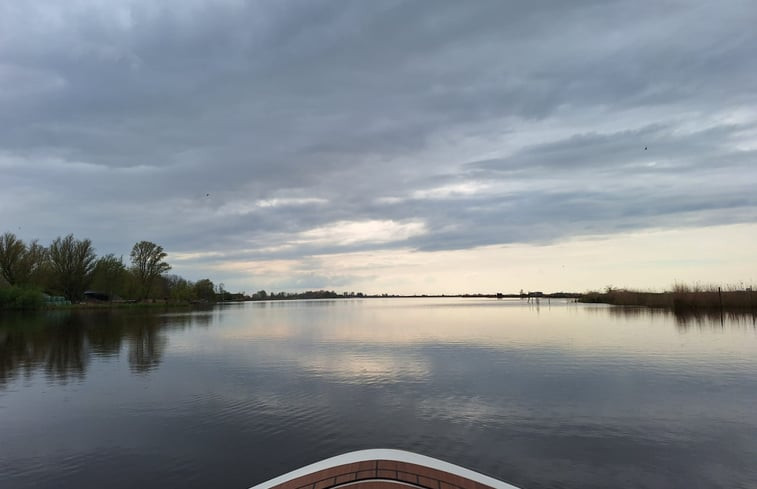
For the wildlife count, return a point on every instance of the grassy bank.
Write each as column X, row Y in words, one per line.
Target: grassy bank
column 682, row 298
column 23, row 298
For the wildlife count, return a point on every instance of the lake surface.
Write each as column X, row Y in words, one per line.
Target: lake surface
column 549, row 395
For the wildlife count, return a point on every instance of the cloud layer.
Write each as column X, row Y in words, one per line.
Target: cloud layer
column 262, row 132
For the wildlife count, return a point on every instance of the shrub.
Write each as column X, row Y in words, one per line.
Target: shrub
column 20, row 298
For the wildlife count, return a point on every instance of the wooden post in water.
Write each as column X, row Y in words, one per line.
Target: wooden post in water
column 720, row 297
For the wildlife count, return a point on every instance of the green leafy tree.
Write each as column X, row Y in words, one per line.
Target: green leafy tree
column 109, row 275
column 260, row 295
column 178, row 289
column 204, row 290
column 131, row 286
column 147, row 265
column 72, row 262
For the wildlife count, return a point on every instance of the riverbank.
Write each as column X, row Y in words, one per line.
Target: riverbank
column 681, row 299
column 124, row 305
column 18, row 298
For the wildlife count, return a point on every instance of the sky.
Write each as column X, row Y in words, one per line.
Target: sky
column 391, row 146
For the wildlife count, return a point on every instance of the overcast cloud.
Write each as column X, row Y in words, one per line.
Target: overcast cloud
column 276, row 132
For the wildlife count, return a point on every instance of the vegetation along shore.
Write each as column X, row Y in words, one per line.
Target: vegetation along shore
column 67, row 273
column 682, row 298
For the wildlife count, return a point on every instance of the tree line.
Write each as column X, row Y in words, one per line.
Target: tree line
column 69, row 267
column 262, row 295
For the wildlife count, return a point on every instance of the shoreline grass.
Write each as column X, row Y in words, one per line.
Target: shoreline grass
column 682, row 298
column 31, row 299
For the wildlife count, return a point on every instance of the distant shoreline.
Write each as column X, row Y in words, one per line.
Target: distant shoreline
column 163, row 304
column 682, row 299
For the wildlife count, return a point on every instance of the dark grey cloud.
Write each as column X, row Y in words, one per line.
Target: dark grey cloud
column 491, row 123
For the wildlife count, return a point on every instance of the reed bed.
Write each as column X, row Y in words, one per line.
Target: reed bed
column 682, row 298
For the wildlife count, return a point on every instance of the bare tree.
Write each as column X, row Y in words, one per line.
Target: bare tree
column 72, row 262
column 147, row 265
column 35, row 265
column 12, row 251
column 21, row 264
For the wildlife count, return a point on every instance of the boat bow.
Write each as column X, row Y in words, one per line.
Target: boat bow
column 383, row 469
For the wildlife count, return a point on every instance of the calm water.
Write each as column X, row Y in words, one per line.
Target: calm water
column 560, row 395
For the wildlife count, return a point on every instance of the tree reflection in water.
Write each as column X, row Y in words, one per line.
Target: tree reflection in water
column 62, row 343
column 146, row 347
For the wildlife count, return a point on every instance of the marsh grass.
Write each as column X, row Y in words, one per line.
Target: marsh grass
column 682, row 298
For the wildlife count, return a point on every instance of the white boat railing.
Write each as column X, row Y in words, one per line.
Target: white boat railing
column 390, row 455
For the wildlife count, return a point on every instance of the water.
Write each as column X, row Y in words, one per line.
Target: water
column 554, row 395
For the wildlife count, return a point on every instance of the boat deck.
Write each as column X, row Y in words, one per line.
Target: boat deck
column 381, row 474
column 383, row 469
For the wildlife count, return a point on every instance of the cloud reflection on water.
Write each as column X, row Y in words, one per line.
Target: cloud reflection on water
column 364, row 341
column 537, row 395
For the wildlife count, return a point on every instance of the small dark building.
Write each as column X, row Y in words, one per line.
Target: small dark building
column 95, row 296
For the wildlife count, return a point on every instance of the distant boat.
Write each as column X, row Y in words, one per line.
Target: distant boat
column 383, row 469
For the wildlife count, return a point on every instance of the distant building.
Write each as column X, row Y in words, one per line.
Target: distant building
column 95, row 296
